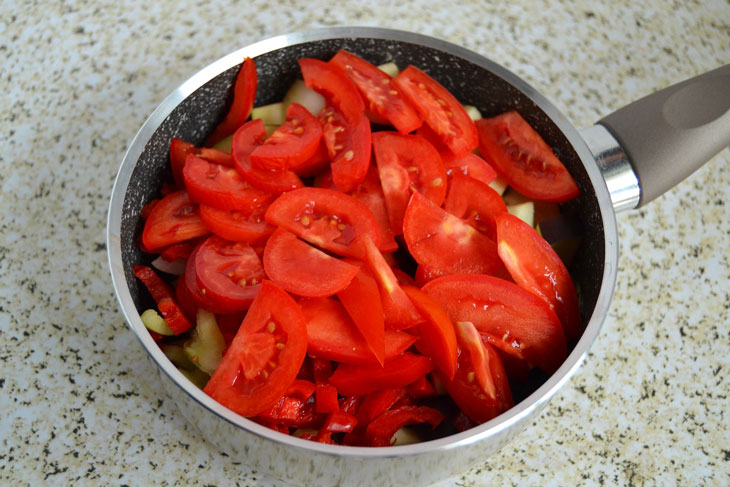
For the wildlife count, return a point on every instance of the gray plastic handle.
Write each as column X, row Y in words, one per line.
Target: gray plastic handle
column 669, row 134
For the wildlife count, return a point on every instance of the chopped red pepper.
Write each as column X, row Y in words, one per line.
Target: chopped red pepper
column 162, row 294
column 380, row 432
column 326, row 399
column 301, row 389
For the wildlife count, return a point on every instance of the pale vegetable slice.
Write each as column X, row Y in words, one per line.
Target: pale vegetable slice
column 307, row 97
column 154, row 322
column 473, row 112
column 176, row 267
column 406, row 436
column 177, row 356
column 224, row 144
column 272, row 114
column 205, row 349
column 525, row 211
column 499, row 185
column 390, row 69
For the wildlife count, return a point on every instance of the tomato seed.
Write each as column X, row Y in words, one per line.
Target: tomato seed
column 265, row 374
column 437, row 182
column 280, row 346
column 299, row 130
column 412, row 169
column 341, row 226
column 270, row 326
column 393, row 92
column 305, row 221
column 272, row 364
column 470, row 376
column 242, row 283
column 385, row 81
column 349, row 155
column 254, row 281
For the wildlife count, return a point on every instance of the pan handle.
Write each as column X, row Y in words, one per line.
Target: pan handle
column 669, row 134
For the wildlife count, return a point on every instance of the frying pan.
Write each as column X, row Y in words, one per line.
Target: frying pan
column 625, row 161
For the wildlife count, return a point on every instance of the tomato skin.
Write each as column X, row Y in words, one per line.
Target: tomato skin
column 336, row 88
column 179, row 150
column 220, row 186
column 523, row 159
column 249, row 136
column 440, row 110
column 535, row 266
column 244, row 95
column 436, row 332
column 407, row 163
column 229, row 274
column 292, row 143
column 361, row 299
column 315, row 165
column 512, row 319
column 301, row 269
column 173, row 219
column 379, row 92
column 358, row 380
column 349, row 143
column 240, row 226
column 245, row 380
column 445, row 243
column 476, row 203
column 469, row 165
column 309, row 213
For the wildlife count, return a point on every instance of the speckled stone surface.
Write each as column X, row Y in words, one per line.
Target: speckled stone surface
column 79, row 403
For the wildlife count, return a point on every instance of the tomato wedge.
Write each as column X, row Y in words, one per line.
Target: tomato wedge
column 220, row 186
column 239, row 225
column 361, row 299
column 292, row 143
column 332, row 335
column 349, row 146
column 514, row 320
column 245, row 140
column 326, row 218
column 440, row 110
column 173, row 219
column 244, row 95
column 523, row 159
column 301, row 269
column 189, row 295
column 229, row 273
column 179, row 150
column 436, row 332
column 535, row 266
column 476, row 203
column 337, row 89
column 407, row 163
column 265, row 356
column 448, row 244
column 358, row 380
column 469, row 165
column 379, row 92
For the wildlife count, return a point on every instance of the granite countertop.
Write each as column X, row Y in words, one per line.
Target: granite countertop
column 79, row 403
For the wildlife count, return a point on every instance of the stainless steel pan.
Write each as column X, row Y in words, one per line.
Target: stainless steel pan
column 625, row 161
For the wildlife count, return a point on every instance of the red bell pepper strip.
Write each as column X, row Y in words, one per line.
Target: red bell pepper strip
column 381, row 430
column 364, row 379
column 326, row 399
column 377, row 403
column 162, row 294
column 301, row 389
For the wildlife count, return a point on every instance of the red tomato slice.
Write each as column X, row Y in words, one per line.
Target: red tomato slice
column 304, row 270
column 379, row 92
column 173, row 219
column 470, row 396
column 245, row 140
column 436, row 332
column 514, row 320
column 469, row 165
column 371, row 194
column 220, row 186
column 189, row 295
column 523, row 159
column 475, row 203
column 358, row 380
column 316, row 164
column 407, row 163
column 398, row 311
column 349, row 145
column 441, row 241
column 361, row 299
column 237, row 225
column 332, row 335
column 337, row 89
column 179, row 150
column 440, row 110
column 535, row 266
column 244, row 95
column 292, row 143
column 425, row 273
column 326, row 218
column 472, row 344
column 265, row 356
column 229, row 273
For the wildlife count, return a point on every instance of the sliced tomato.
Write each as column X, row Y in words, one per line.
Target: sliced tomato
column 190, row 297
column 337, row 89
column 332, row 335
column 441, row 241
column 179, row 150
column 535, row 266
column 467, row 392
column 379, row 92
column 349, row 145
column 398, row 310
column 220, row 186
column 523, row 159
column 304, row 270
column 440, row 110
column 514, row 320
column 173, row 219
column 358, row 380
column 476, row 203
column 245, row 140
column 407, row 164
column 326, row 218
column 361, row 299
column 425, row 273
column 265, row 356
column 229, row 273
column 292, row 143
column 469, row 165
column 436, row 332
column 238, row 225
column 244, row 95
column 315, row 165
